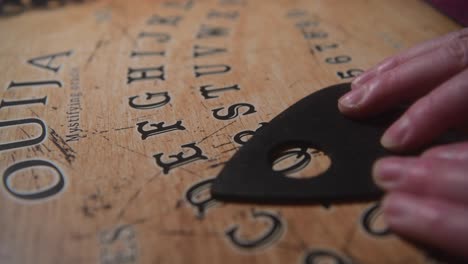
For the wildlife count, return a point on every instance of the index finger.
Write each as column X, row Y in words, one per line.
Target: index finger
column 410, row 80
column 394, row 61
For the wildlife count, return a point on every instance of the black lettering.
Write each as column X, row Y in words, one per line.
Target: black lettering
column 314, row 35
column 72, row 137
column 308, row 23
column 205, row 69
column 227, row 15
column 270, row 236
column 349, row 73
column 180, row 159
column 212, row 31
column 325, row 47
column 233, row 111
column 302, row 158
column 36, row 83
column 48, row 60
column 34, row 195
column 168, row 21
column 142, row 74
column 207, row 90
column 159, row 128
column 166, row 99
column 147, row 53
column 194, row 193
column 296, row 13
column 73, row 125
column 338, row 59
column 232, row 2
column 199, row 51
column 160, row 37
column 369, row 219
column 42, row 100
column 185, row 6
column 23, row 143
column 239, row 137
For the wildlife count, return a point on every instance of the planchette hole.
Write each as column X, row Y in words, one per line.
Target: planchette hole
column 299, row 161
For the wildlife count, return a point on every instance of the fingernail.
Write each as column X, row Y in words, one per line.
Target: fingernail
column 388, row 173
column 370, row 74
column 397, row 210
column 405, row 211
column 353, row 98
column 396, row 135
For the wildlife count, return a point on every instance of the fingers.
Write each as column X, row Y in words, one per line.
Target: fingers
column 405, row 56
column 429, row 177
column 430, row 116
column 457, row 151
column 407, row 79
column 435, row 222
column 427, row 197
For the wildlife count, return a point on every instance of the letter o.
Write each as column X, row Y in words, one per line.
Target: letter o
column 51, row 191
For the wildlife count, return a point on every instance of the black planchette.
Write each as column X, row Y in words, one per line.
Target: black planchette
column 315, row 122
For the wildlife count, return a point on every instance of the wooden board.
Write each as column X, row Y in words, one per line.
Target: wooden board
column 116, row 116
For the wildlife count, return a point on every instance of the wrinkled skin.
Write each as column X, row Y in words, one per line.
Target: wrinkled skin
column 426, row 196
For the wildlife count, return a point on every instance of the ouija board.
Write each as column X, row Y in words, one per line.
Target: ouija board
column 116, row 116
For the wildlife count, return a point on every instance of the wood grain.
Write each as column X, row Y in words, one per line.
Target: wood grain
column 117, row 204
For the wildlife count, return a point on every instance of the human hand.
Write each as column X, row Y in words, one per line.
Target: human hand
column 427, row 197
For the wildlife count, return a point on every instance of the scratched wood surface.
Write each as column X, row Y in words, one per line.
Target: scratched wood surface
column 116, row 116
